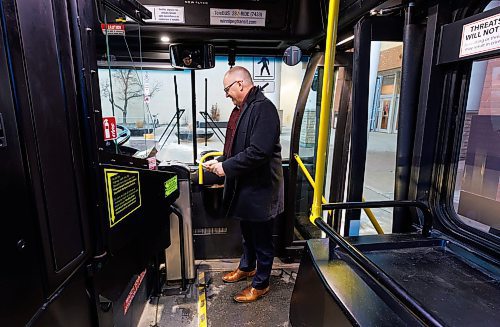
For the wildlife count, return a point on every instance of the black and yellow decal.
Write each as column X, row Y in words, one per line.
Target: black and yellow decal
column 123, row 191
column 202, row 300
column 170, row 186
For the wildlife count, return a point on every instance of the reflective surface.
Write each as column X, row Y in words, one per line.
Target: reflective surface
column 292, row 55
column 477, row 188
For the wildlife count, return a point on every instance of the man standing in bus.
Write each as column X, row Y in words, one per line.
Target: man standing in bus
column 253, row 191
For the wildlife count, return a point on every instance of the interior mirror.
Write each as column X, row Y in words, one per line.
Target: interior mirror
column 292, row 55
column 192, row 56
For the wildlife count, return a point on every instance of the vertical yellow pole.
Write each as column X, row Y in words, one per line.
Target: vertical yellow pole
column 326, row 99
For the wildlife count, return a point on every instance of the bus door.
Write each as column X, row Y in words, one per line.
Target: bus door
column 46, row 216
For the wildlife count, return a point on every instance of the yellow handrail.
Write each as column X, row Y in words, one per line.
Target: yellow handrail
column 200, row 165
column 368, row 211
column 308, row 176
column 326, row 99
column 373, row 219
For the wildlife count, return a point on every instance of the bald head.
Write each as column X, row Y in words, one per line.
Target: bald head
column 237, row 83
column 239, row 73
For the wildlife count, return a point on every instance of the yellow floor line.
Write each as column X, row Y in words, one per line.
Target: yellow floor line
column 202, row 303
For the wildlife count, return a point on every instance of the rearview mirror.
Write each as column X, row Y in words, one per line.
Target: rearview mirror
column 192, row 56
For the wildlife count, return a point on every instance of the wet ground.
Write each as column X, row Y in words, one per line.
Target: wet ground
column 181, row 309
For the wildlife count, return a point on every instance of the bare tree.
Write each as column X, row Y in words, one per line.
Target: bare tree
column 126, row 86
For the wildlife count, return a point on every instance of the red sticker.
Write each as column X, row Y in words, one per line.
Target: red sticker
column 109, row 128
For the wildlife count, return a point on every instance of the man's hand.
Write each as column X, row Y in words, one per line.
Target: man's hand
column 217, row 169
column 209, row 163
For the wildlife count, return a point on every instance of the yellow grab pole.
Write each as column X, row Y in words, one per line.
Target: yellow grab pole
column 200, row 165
column 326, row 99
column 368, row 211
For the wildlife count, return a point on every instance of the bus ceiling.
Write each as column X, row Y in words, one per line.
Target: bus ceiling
column 277, row 24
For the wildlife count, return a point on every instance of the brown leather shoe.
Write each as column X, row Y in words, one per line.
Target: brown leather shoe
column 250, row 294
column 237, row 275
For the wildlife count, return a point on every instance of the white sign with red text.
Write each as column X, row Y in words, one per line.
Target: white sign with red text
column 109, row 128
column 113, row 29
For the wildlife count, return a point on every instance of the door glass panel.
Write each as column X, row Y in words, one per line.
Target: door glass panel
column 281, row 84
column 129, row 124
column 385, row 80
column 153, row 122
column 477, row 185
column 307, row 153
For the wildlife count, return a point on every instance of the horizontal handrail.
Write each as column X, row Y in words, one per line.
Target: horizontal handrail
column 200, row 165
column 377, row 274
column 426, row 228
column 368, row 212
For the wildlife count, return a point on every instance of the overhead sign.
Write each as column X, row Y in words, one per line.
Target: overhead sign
column 109, row 128
column 480, row 36
column 113, row 29
column 123, row 193
column 237, row 17
column 166, row 14
column 263, row 68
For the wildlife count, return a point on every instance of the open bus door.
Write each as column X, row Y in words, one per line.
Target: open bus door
column 440, row 266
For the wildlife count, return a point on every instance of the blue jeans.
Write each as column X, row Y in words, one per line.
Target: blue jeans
column 258, row 250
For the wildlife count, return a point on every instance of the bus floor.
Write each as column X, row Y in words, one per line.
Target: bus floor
column 178, row 310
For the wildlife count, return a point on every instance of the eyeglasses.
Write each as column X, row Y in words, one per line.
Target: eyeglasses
column 226, row 89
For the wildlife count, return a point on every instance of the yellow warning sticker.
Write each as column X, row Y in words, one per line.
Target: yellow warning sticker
column 123, row 193
column 170, row 186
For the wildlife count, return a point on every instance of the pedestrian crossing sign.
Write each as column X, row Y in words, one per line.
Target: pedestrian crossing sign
column 263, row 68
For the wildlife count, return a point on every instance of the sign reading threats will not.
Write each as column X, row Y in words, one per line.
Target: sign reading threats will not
column 237, row 17
column 480, row 36
column 123, row 191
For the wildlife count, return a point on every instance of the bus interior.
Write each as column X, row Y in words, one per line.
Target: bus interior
column 390, row 135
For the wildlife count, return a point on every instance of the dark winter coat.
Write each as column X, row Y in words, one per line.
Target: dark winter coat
column 253, row 187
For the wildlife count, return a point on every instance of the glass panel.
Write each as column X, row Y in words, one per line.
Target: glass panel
column 283, row 86
column 477, row 187
column 153, row 123
column 385, row 82
column 307, row 152
column 126, row 91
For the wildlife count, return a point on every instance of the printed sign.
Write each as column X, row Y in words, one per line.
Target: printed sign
column 166, row 14
column 237, row 17
column 123, row 193
column 268, row 86
column 133, row 292
column 480, row 36
column 109, row 128
column 263, row 68
column 170, row 186
column 113, row 29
